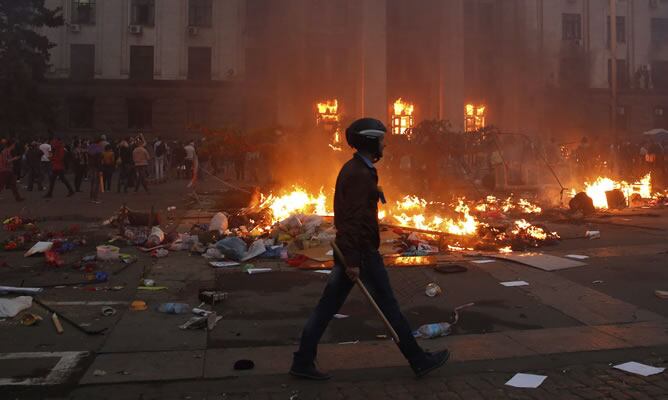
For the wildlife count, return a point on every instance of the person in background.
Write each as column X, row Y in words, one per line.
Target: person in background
column 124, row 163
column 79, row 156
column 141, row 158
column 58, row 168
column 160, row 151
column 7, row 177
column 45, row 161
column 95, row 150
column 33, row 162
column 108, row 164
column 178, row 159
column 190, row 158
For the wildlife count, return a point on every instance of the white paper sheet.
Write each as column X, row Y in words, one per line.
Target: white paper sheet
column 526, row 381
column 576, row 256
column 252, row 271
column 515, row 283
column 223, row 264
column 324, row 271
column 341, row 316
column 39, row 247
column 20, row 290
column 482, row 261
column 638, row 368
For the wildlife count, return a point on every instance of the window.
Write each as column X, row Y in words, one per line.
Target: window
column 141, row 62
column 140, row 113
column 82, row 61
column 660, row 118
column 199, row 13
column 83, row 12
column 197, row 113
column 143, row 12
column 659, row 29
column 81, row 111
column 621, row 30
column 571, row 26
column 199, row 63
column 660, row 75
column 622, row 74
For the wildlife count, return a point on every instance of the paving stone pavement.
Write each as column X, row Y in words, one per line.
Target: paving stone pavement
column 589, row 381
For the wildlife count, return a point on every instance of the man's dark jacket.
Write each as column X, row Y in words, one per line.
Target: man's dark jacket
column 356, row 210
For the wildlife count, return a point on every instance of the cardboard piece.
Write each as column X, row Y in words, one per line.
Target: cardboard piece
column 541, row 261
column 526, row 381
column 639, row 369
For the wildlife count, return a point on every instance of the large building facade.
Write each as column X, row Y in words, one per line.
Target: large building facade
column 539, row 66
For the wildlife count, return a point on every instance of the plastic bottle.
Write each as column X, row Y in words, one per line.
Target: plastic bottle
column 174, row 308
column 433, row 330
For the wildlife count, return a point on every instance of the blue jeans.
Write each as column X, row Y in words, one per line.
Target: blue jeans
column 374, row 276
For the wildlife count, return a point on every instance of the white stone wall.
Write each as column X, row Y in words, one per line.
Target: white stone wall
column 169, row 37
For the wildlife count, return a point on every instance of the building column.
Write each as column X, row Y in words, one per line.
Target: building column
column 452, row 85
column 372, row 79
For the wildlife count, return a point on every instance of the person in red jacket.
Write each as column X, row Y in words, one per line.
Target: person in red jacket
column 58, row 168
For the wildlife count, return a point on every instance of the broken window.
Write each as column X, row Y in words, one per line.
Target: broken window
column 143, row 12
column 82, row 61
column 199, row 13
column 571, row 26
column 81, row 112
column 141, row 62
column 140, row 113
column 83, row 12
column 199, row 63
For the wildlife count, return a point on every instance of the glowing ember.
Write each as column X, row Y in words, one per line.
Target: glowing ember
column 523, row 206
column 402, row 117
column 505, row 250
column 596, row 190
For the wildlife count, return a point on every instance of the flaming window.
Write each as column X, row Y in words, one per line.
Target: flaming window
column 402, row 118
column 474, row 117
column 328, row 118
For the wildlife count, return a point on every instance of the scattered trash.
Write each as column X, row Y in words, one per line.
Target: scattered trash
column 526, row 381
column 662, row 294
column 255, row 249
column 99, row 372
column 241, row 365
column 212, row 296
column 352, row 342
column 108, row 311
column 160, row 253
column 98, row 277
column 152, row 288
column 597, row 282
column 9, row 308
column 213, row 253
column 156, row 237
column 148, row 282
column 218, row 223
column 30, row 319
column 208, row 321
column 514, row 283
column 138, row 305
column 174, row 308
column 57, row 324
column 341, row 316
column 107, row 253
column 593, row 235
column 252, row 271
column 39, row 247
column 485, row 261
column 323, row 271
column 576, row 257
column 381, row 336
column 430, row 331
column 433, row 290
column 224, row 264
column 455, row 312
column 20, row 290
column 232, row 247
column 639, row 369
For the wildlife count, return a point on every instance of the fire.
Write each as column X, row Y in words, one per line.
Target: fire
column 402, row 117
column 474, row 117
column 298, row 201
column 411, row 213
column 596, row 190
column 328, row 110
column 505, row 250
column 524, row 206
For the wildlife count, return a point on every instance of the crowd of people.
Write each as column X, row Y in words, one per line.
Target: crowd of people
column 107, row 165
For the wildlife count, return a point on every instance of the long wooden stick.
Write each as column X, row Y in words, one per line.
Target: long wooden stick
column 359, row 283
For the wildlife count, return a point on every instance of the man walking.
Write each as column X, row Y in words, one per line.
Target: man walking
column 357, row 235
column 33, row 161
column 58, row 168
column 159, row 149
column 45, row 162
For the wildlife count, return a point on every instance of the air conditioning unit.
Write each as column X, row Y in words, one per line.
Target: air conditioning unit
column 193, row 31
column 135, row 29
column 76, row 28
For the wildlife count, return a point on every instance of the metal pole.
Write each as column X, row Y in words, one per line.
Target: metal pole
column 613, row 68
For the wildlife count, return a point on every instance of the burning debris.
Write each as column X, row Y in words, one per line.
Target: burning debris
column 403, row 121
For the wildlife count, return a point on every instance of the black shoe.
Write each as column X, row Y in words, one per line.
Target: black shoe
column 430, row 362
column 309, row 372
